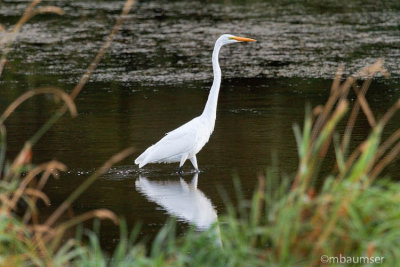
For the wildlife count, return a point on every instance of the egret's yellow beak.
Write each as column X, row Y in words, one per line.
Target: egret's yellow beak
column 242, row 39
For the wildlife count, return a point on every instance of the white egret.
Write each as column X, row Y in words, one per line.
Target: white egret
column 186, row 141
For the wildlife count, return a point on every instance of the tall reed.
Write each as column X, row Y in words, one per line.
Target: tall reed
column 24, row 238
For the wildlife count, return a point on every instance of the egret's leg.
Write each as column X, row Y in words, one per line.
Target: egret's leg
column 183, row 159
column 193, row 160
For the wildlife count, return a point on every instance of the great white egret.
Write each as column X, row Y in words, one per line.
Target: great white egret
column 186, row 141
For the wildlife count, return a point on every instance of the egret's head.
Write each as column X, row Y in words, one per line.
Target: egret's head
column 229, row 39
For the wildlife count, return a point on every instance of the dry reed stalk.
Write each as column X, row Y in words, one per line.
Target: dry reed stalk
column 75, row 91
column 51, row 167
column 364, row 103
column 101, row 214
column 10, row 36
column 103, row 169
column 384, row 162
column 392, row 154
column 388, row 143
column 3, row 147
column 351, row 122
column 334, row 95
column 367, row 72
column 42, row 181
column 308, row 162
column 388, row 115
column 46, row 90
column 37, row 194
column 93, row 65
column 78, row 88
column 20, row 22
column 43, row 232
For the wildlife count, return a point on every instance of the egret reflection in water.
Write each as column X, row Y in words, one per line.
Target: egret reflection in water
column 180, row 199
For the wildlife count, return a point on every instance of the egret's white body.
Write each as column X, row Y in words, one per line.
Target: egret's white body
column 186, row 141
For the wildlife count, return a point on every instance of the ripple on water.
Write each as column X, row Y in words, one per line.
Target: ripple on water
column 132, row 172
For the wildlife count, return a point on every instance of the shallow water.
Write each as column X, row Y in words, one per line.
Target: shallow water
column 157, row 76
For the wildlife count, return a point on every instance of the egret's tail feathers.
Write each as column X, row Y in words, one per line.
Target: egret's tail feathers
column 139, row 160
column 158, row 154
column 142, row 159
column 141, row 164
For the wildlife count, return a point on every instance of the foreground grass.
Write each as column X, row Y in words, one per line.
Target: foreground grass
column 282, row 233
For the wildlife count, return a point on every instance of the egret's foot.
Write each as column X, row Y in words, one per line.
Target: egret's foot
column 180, row 170
column 197, row 171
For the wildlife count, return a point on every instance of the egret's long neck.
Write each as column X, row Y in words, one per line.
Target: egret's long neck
column 210, row 110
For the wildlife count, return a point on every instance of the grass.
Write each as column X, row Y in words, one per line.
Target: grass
column 24, row 239
column 285, row 223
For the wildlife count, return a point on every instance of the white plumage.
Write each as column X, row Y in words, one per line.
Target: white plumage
column 186, row 141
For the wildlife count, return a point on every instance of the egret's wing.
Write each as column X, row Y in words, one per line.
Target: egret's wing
column 173, row 145
column 183, row 129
